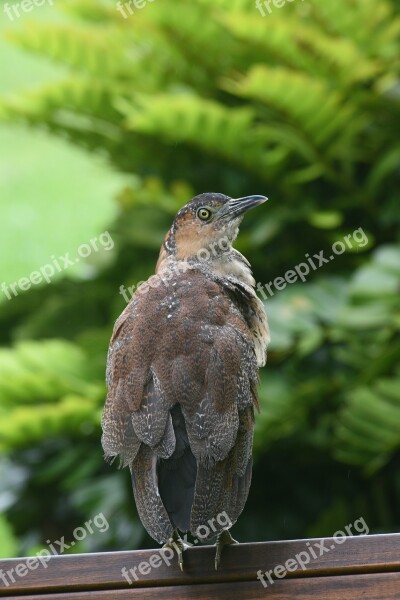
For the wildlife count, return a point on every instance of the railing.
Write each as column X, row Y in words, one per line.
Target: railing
column 352, row 568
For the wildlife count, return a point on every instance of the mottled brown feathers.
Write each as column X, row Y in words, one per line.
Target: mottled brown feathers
column 182, row 375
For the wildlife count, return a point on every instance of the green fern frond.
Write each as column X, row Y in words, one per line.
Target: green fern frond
column 24, row 426
column 80, row 95
column 373, row 25
column 184, row 117
column 302, row 46
column 368, row 431
column 44, row 371
column 96, row 51
column 202, row 123
column 229, row 5
column 201, row 38
column 212, row 127
column 281, row 412
column 46, row 389
column 336, row 57
column 81, row 110
column 308, row 102
column 91, row 11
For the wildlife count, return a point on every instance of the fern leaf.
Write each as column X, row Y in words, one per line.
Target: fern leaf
column 96, row 51
column 374, row 26
column 302, row 46
column 368, row 431
column 202, row 123
column 25, row 426
column 42, row 372
column 308, row 102
column 83, row 96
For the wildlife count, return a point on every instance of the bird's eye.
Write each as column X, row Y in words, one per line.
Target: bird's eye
column 204, row 214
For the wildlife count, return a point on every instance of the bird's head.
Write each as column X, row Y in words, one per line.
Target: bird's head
column 207, row 224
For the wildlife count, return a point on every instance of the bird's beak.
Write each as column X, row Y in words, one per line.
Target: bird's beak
column 237, row 206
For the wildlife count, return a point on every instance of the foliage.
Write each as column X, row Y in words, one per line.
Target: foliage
column 302, row 105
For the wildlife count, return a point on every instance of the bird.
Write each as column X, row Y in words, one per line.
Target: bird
column 182, row 375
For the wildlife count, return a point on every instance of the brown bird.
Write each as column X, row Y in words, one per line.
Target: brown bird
column 182, row 373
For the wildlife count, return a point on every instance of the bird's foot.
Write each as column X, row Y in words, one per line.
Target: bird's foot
column 176, row 543
column 223, row 539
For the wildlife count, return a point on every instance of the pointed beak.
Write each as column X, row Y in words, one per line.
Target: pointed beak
column 238, row 206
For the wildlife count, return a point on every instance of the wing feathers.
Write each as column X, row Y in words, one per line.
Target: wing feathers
column 150, row 420
column 223, row 487
column 185, row 346
column 148, row 501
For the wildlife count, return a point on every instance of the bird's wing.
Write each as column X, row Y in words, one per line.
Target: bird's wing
column 137, row 408
column 136, row 420
column 221, row 433
column 222, row 487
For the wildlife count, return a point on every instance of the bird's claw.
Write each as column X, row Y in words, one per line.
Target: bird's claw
column 176, row 543
column 223, row 539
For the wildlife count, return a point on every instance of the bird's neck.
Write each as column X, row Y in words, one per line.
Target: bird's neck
column 234, row 266
column 230, row 264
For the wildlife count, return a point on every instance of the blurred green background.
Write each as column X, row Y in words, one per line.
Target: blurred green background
column 110, row 124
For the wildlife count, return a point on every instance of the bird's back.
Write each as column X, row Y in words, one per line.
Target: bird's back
column 182, row 376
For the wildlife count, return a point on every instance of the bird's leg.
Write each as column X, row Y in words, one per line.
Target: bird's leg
column 223, row 539
column 176, row 543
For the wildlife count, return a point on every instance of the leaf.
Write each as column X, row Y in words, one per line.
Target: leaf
column 368, row 430
column 9, row 542
column 200, row 123
column 46, row 231
column 88, row 48
column 281, row 413
column 326, row 220
column 386, row 166
column 372, row 281
column 319, row 112
column 45, row 389
column 371, row 315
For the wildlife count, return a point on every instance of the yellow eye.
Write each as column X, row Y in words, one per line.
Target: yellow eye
column 204, row 214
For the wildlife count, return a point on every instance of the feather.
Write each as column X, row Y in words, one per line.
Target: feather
column 181, row 375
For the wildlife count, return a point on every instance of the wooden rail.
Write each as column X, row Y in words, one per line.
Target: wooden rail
column 366, row 567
